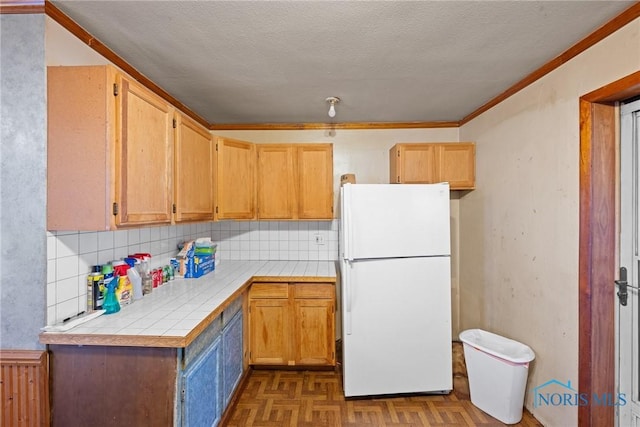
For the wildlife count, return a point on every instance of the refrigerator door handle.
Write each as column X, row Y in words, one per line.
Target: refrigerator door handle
column 347, row 289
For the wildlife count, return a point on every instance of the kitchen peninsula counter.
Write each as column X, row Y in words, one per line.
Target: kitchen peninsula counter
column 176, row 313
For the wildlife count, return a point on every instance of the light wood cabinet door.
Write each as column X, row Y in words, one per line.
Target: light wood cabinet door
column 314, row 323
column 413, row 164
column 276, row 183
column 269, row 324
column 315, row 181
column 428, row 163
column 194, row 180
column 456, row 165
column 235, row 179
column 144, row 156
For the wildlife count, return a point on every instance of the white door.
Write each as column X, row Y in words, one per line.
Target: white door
column 395, row 220
column 628, row 412
column 397, row 326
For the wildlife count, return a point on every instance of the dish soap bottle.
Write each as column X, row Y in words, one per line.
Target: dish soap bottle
column 111, row 304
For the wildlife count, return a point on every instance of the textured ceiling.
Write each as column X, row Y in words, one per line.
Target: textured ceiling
column 388, row 61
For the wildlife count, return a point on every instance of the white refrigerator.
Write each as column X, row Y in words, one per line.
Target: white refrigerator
column 396, row 289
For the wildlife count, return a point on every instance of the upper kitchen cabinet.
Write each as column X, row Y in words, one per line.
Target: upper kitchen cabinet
column 110, row 152
column 427, row 163
column 295, row 181
column 315, row 181
column 276, row 184
column 235, row 179
column 194, row 183
column 144, row 156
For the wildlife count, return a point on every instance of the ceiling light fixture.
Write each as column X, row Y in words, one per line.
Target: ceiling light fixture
column 332, row 100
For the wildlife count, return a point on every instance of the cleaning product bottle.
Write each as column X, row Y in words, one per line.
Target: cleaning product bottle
column 95, row 285
column 136, row 281
column 110, row 284
column 111, row 304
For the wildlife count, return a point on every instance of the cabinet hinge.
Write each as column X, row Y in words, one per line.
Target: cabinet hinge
column 115, row 208
column 175, row 123
column 216, row 209
column 182, row 395
column 174, row 208
column 216, row 146
column 115, row 89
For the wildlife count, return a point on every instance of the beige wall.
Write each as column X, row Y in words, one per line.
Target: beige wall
column 519, row 229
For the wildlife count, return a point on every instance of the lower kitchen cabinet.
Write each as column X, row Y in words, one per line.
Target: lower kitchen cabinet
column 269, row 324
column 149, row 386
column 292, row 324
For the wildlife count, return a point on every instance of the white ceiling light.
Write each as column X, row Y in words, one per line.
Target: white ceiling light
column 332, row 100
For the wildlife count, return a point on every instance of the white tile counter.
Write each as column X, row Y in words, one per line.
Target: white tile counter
column 175, row 313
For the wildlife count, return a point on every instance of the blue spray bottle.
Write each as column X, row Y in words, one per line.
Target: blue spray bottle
column 111, row 304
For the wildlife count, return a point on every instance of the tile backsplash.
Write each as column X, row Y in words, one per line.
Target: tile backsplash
column 70, row 254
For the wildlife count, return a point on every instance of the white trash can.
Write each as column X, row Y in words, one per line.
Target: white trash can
column 497, row 368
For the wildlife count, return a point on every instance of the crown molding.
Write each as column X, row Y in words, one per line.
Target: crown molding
column 21, row 7
column 321, row 126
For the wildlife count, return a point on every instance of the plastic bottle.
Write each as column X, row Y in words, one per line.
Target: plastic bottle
column 95, row 288
column 136, row 281
column 111, row 304
column 124, row 290
column 147, row 283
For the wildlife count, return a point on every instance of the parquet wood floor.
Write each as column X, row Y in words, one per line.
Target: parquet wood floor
column 280, row 398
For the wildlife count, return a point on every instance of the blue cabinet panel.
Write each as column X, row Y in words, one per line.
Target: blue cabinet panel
column 232, row 356
column 202, row 389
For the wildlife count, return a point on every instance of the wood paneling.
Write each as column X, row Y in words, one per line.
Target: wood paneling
column 24, row 388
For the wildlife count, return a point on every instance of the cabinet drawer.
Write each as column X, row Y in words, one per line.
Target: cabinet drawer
column 269, row 290
column 313, row 290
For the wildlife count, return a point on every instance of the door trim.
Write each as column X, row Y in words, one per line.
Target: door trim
column 597, row 240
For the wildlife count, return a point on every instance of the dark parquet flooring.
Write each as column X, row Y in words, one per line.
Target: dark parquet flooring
column 280, row 398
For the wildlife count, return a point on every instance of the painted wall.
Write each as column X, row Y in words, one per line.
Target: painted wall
column 519, row 229
column 23, row 164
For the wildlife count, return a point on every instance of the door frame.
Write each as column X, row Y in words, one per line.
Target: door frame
column 597, row 244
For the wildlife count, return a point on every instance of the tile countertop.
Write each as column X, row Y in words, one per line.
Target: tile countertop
column 174, row 314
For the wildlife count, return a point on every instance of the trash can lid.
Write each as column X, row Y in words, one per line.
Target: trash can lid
column 497, row 345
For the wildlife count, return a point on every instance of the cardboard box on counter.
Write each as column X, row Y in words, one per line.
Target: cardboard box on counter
column 347, row 178
column 196, row 261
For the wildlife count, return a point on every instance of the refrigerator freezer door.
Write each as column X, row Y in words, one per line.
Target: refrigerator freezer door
column 397, row 326
column 390, row 220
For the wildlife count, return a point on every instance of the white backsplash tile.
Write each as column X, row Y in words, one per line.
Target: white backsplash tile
column 67, row 245
column 71, row 253
column 88, row 242
column 105, row 240
column 66, row 267
column 120, row 238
